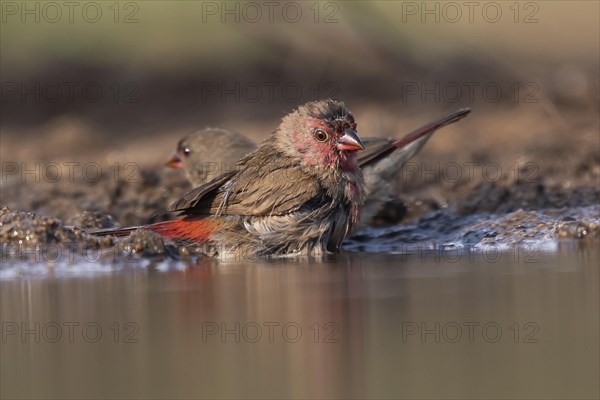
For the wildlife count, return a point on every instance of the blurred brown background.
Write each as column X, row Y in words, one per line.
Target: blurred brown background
column 122, row 82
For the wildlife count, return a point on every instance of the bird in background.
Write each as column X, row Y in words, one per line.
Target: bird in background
column 208, row 152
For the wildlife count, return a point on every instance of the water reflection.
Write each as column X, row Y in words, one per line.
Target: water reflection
column 355, row 326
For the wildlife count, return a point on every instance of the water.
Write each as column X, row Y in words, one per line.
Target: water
column 461, row 324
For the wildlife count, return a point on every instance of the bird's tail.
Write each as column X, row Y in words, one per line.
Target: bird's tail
column 409, row 145
column 116, row 231
column 192, row 229
column 431, row 127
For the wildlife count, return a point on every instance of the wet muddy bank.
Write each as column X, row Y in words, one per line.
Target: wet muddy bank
column 29, row 239
column 476, row 182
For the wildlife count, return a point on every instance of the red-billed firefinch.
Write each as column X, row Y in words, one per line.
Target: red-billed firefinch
column 301, row 192
column 209, row 152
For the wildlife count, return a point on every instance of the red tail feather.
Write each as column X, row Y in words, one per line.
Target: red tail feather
column 197, row 230
column 193, row 229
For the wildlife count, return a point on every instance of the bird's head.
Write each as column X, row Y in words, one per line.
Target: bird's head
column 181, row 152
column 323, row 134
column 209, row 152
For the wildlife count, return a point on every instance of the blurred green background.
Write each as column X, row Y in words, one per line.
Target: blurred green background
column 165, row 67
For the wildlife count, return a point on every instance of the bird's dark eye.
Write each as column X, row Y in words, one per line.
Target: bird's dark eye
column 320, row 135
column 186, row 151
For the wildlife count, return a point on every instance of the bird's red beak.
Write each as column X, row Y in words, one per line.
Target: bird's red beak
column 175, row 161
column 350, row 141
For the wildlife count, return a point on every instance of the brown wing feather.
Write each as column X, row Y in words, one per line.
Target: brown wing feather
column 208, row 190
column 374, row 146
column 264, row 184
column 286, row 191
